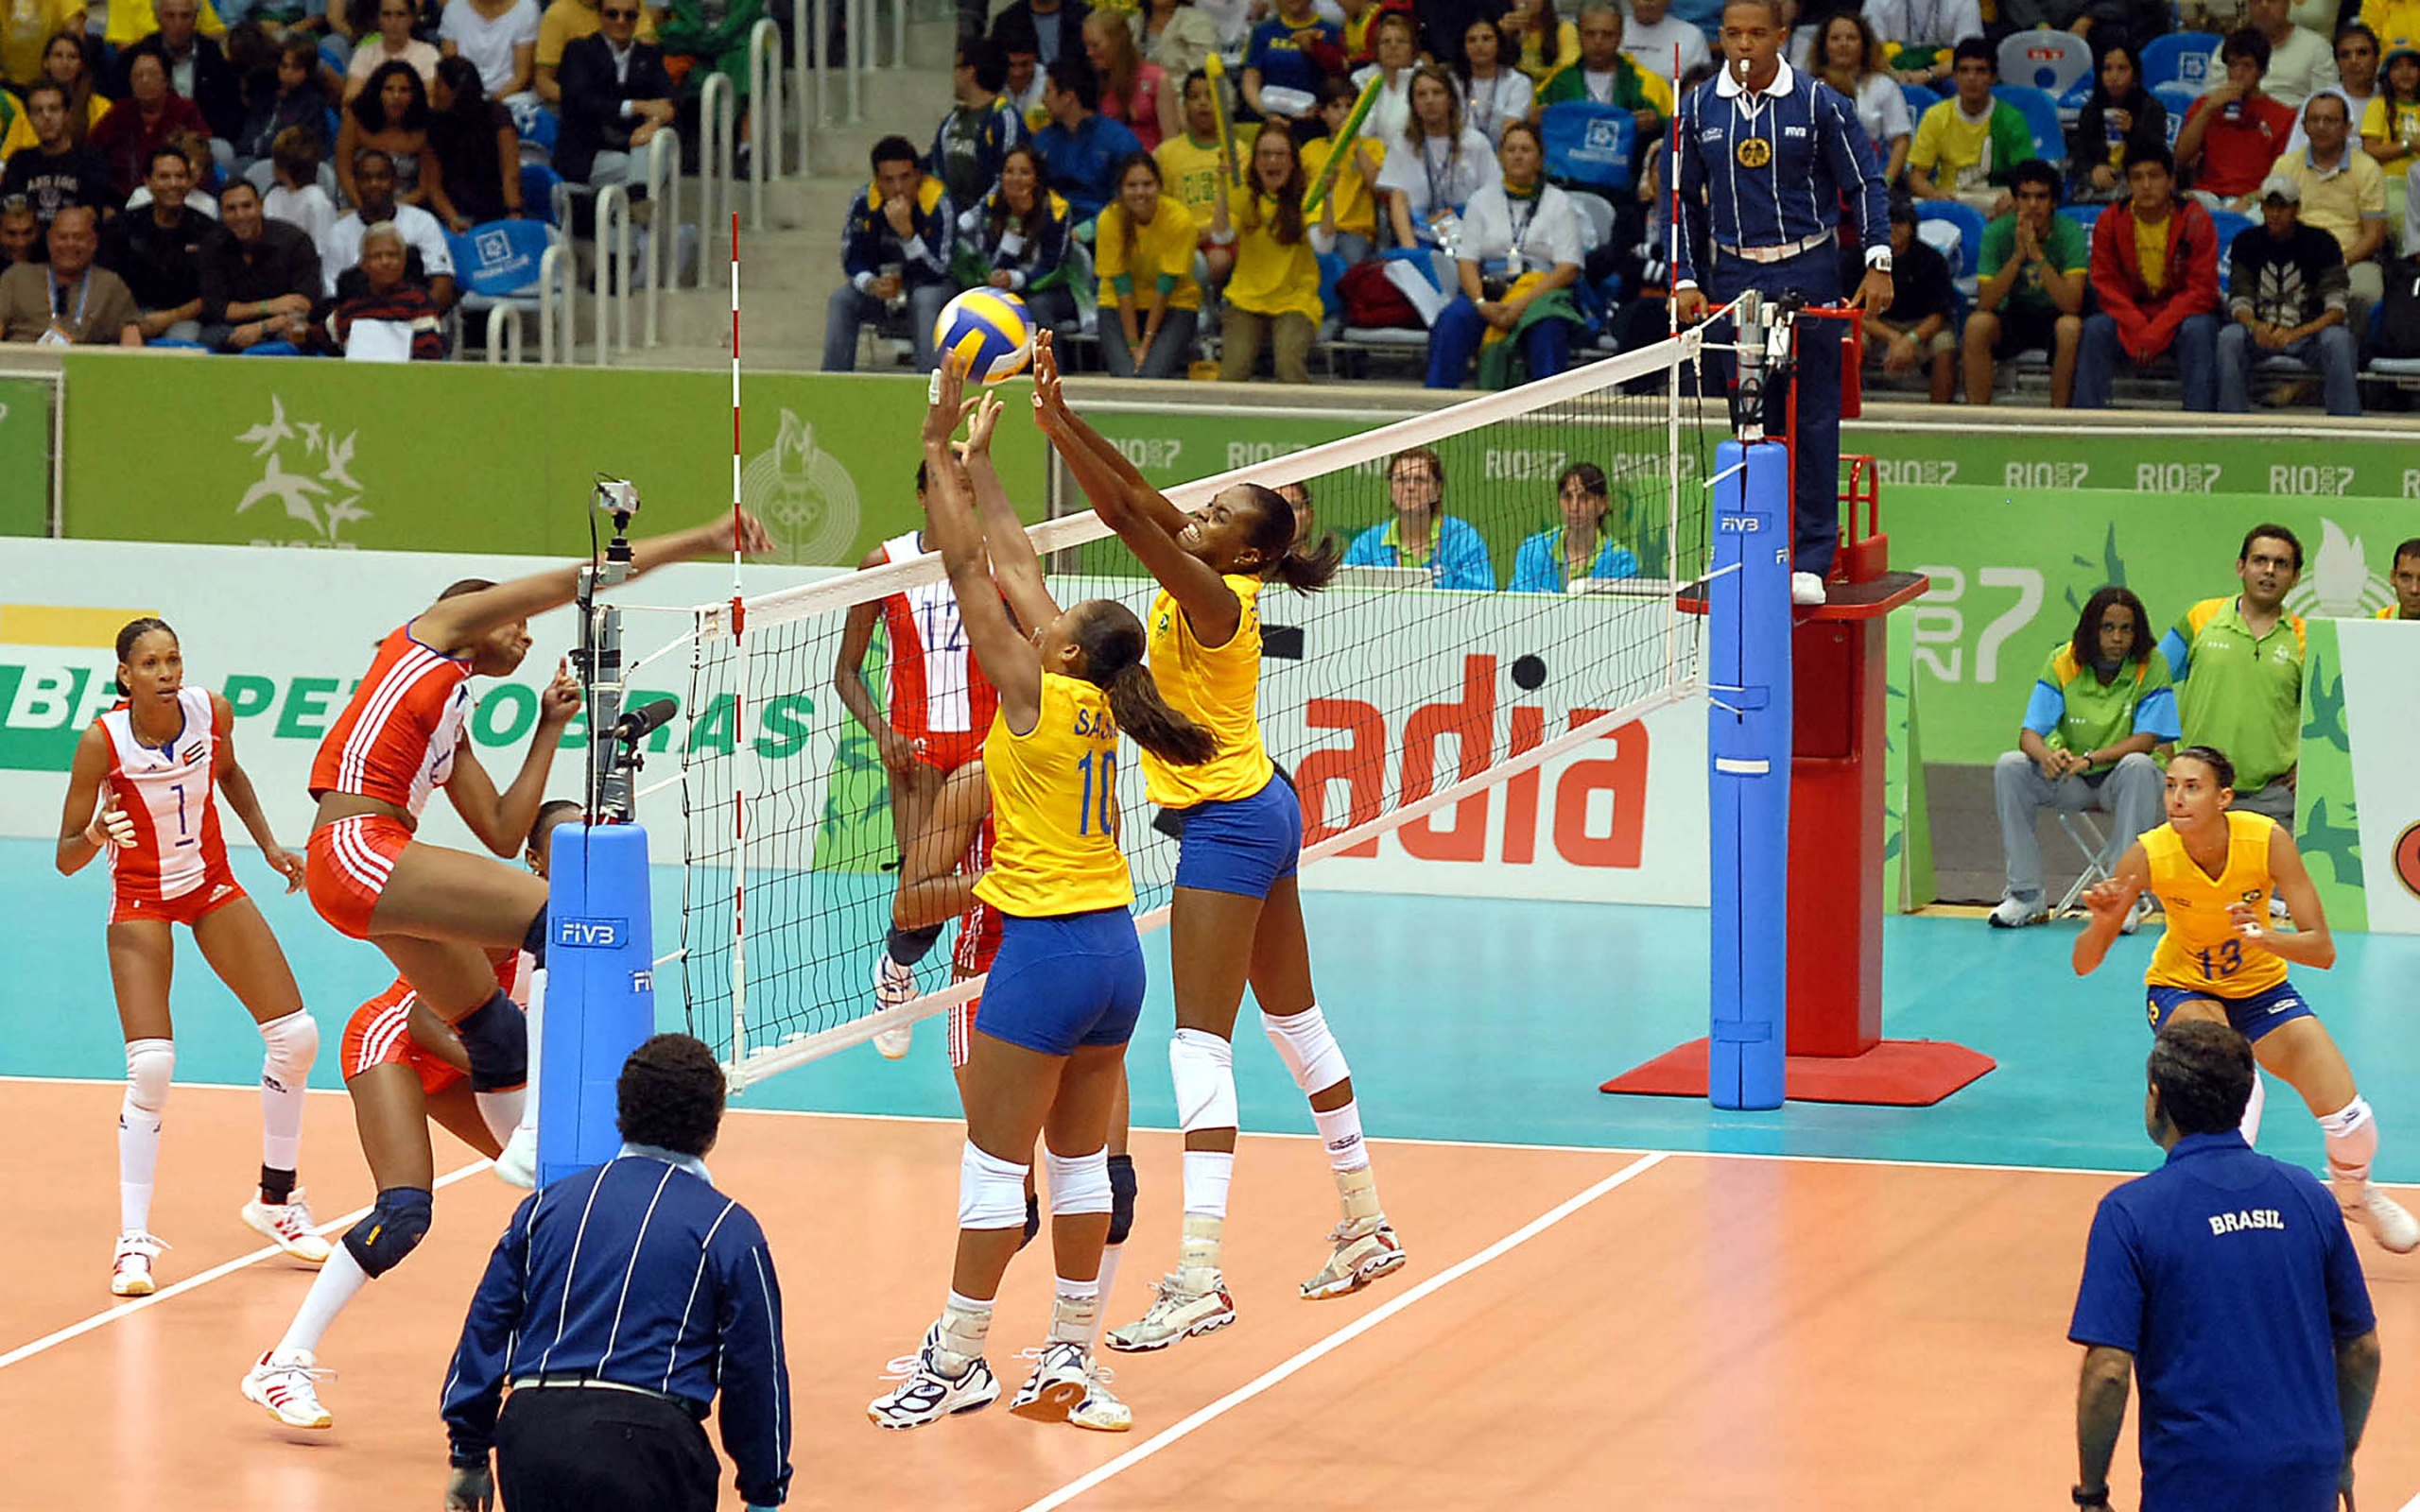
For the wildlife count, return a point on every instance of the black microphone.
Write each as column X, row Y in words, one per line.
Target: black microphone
column 638, row 724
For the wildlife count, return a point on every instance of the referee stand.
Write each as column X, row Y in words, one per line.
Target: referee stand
column 1796, row 749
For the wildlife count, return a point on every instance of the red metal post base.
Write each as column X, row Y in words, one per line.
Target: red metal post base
column 1893, row 1073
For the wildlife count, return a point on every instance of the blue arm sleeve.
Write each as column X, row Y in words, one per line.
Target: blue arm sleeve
column 938, row 232
column 1853, row 168
column 2157, row 716
column 1532, row 573
column 2171, row 645
column 1466, row 562
column 474, row 1384
column 1367, row 549
column 1617, row 562
column 754, row 1376
column 2109, row 1301
column 1050, row 250
column 1691, row 170
column 857, row 242
column 2044, row 709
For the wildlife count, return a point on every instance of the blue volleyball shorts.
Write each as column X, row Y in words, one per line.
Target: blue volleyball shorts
column 1244, row 844
column 2252, row 1016
column 1063, row 981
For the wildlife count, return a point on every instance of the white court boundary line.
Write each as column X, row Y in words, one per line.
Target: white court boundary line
column 226, row 1268
column 1344, row 1335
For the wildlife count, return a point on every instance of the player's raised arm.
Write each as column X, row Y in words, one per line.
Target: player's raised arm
column 1006, row 657
column 1015, row 565
column 452, row 621
column 2309, row 942
column 2110, row 902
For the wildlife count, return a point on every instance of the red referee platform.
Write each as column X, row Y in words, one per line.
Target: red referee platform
column 1837, row 1053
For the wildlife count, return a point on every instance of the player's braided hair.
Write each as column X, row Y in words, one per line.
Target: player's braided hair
column 131, row 634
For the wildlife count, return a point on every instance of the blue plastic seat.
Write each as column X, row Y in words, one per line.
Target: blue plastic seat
column 2041, row 111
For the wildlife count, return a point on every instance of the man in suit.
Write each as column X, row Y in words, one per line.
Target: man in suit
column 617, row 97
column 197, row 69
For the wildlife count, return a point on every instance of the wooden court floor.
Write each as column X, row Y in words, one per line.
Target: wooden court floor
column 1577, row 1328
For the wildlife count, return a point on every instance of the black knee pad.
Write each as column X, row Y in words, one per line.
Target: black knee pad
column 910, row 946
column 1032, row 1218
column 389, row 1230
column 533, row 939
column 1121, row 1198
column 495, row 1036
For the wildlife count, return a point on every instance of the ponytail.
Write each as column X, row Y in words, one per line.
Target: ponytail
column 1112, row 640
column 1136, row 701
column 1308, row 570
column 1304, row 569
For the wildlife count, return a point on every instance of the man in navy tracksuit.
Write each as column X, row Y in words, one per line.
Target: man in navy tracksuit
column 1766, row 153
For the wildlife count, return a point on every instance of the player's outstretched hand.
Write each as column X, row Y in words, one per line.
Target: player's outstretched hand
column 561, row 700
column 985, row 415
column 747, row 534
column 2110, row 900
column 1049, row 402
column 470, row 1488
column 948, row 401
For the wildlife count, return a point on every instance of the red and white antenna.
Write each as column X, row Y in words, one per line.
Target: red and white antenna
column 742, row 767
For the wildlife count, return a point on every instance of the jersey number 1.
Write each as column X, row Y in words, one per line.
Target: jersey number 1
column 1108, row 788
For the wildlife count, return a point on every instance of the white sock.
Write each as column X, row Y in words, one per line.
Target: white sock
column 2260, row 1099
column 536, row 1011
column 293, row 1043
column 1110, row 1256
column 1207, row 1174
column 337, row 1283
column 965, row 1323
column 150, row 1066
column 502, row 1111
column 1341, row 1131
column 1075, row 1312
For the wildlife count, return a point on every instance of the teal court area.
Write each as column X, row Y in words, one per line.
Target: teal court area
column 1465, row 1020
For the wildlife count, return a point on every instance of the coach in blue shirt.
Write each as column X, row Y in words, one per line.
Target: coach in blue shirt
column 613, row 1360
column 1766, row 153
column 2225, row 1281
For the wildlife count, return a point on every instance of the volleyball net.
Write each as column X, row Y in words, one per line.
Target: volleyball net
column 1393, row 698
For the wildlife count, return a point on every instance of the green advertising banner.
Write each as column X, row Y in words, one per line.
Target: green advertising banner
column 476, row 459
column 25, row 456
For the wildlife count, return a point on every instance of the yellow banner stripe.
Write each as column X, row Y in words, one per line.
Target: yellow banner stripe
column 63, row 624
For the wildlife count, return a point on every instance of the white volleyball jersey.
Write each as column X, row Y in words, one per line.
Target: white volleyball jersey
column 169, row 794
column 935, row 686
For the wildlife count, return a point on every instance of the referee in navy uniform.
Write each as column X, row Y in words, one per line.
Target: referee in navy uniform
column 619, row 1302
column 1766, row 153
column 2225, row 1282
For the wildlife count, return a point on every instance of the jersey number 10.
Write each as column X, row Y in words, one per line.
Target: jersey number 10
column 1107, row 807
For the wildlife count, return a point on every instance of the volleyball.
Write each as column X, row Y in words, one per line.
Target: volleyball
column 989, row 329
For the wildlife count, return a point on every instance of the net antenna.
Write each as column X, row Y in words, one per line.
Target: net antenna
column 744, row 766
column 598, row 658
column 788, row 840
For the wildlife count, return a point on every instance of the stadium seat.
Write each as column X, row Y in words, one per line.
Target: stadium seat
column 2051, row 62
column 2179, row 58
column 1595, row 218
column 2176, row 99
column 1920, row 98
column 1965, row 252
column 2083, row 215
column 539, row 129
column 538, row 184
column 2230, row 224
column 272, row 348
column 2041, row 111
column 498, row 267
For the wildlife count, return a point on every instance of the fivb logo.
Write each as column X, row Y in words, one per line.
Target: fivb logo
column 1577, row 824
column 591, row 934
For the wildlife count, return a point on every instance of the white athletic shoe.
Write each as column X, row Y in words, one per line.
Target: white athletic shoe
column 131, row 1265
column 1064, row 1389
column 516, row 1164
column 2389, row 1222
column 1176, row 1312
column 284, row 1385
column 2015, row 913
column 287, row 1224
column 926, row 1396
column 1805, row 588
column 893, row 985
column 1362, row 1253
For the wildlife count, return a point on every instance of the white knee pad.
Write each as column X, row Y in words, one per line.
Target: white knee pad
column 1310, row 1050
column 1203, row 1067
column 150, row 1065
column 293, row 1043
column 991, row 1192
column 2352, row 1141
column 1078, row 1183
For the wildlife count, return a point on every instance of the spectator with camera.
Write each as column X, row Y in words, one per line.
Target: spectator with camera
column 896, row 249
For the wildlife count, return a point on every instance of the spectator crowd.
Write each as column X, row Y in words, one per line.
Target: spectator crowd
column 2213, row 196
column 269, row 176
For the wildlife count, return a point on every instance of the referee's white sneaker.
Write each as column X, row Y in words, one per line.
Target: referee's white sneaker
column 893, row 985
column 287, row 1224
column 927, row 1396
column 283, row 1384
column 2389, row 1222
column 1805, row 588
column 1177, row 1311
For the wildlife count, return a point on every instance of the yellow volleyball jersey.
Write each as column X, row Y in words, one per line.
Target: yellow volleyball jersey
column 1054, row 807
column 2200, row 950
column 1219, row 688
